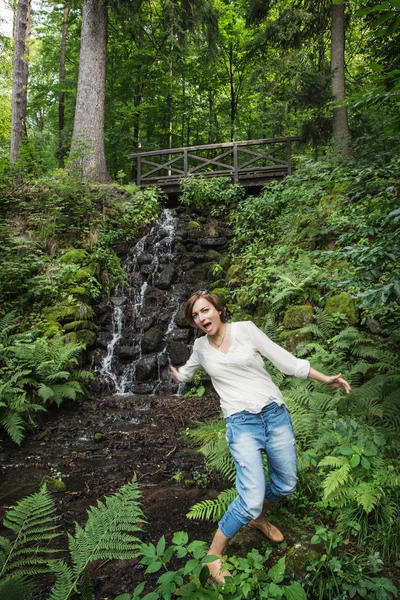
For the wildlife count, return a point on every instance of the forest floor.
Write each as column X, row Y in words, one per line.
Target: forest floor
column 96, row 447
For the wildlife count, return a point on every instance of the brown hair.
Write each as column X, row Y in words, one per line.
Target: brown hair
column 211, row 298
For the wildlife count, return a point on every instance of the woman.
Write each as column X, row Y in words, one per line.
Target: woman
column 255, row 413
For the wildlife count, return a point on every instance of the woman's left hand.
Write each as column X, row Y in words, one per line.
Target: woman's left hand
column 337, row 381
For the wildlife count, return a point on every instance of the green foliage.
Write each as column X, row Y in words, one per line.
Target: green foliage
column 339, row 574
column 210, row 196
column 250, row 577
column 109, row 533
column 198, row 388
column 34, row 372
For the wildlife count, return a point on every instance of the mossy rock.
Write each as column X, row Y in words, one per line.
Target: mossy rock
column 213, row 255
column 292, row 340
column 61, row 312
column 342, row 303
column 234, row 275
column 222, row 293
column 78, row 325
column 220, row 283
column 77, row 290
column 83, row 336
column 76, row 256
column 53, row 484
column 298, row 556
column 298, row 316
column 193, row 225
column 225, row 262
column 86, row 273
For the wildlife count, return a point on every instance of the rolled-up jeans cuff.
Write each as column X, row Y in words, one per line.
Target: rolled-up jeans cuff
column 229, row 525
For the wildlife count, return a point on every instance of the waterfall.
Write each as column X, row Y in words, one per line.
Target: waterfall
column 143, row 315
column 146, row 328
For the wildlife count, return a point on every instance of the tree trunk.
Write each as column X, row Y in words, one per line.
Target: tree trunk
column 87, row 155
column 61, row 95
column 233, row 94
column 20, row 77
column 341, row 132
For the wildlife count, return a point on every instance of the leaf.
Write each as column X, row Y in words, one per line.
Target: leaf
column 295, row 591
column 180, row 538
column 355, row 460
column 160, row 546
column 365, row 463
column 277, row 572
column 154, row 567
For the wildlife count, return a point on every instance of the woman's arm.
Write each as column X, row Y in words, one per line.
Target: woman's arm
column 335, row 381
column 175, row 375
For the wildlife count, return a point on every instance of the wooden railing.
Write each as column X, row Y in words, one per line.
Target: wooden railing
column 244, row 162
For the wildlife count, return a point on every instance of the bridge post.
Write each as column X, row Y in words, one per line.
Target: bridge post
column 289, row 157
column 139, row 170
column 185, row 162
column 235, row 164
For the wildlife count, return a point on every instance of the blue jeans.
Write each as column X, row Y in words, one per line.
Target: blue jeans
column 249, row 435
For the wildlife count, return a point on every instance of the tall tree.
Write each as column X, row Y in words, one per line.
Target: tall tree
column 341, row 131
column 20, row 77
column 61, row 94
column 87, row 148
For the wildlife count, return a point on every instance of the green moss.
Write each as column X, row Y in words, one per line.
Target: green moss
column 298, row 556
column 292, row 340
column 77, row 290
column 220, row 283
column 298, row 316
column 83, row 336
column 342, row 303
column 61, row 312
column 213, row 255
column 193, row 225
column 76, row 257
column 53, row 484
column 78, row 325
column 86, row 273
column 223, row 293
column 234, row 275
column 225, row 262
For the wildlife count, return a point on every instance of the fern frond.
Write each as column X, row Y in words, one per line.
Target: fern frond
column 212, row 510
column 64, row 584
column 335, row 481
column 31, row 521
column 16, row 586
column 14, row 424
column 109, row 531
column 366, row 496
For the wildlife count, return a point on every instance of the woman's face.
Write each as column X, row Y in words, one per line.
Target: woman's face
column 206, row 317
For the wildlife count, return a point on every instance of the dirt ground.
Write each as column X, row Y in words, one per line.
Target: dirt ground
column 142, row 435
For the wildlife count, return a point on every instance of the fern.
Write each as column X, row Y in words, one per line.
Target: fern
column 31, row 520
column 109, row 533
column 212, row 510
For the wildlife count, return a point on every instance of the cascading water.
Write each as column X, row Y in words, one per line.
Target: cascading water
column 138, row 339
column 146, row 328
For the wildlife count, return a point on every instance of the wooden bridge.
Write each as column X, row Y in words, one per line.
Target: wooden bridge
column 249, row 163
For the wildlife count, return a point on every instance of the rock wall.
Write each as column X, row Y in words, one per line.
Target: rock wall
column 143, row 329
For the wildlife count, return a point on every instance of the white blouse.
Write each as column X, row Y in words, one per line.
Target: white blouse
column 239, row 376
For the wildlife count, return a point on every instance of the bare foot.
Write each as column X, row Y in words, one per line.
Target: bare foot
column 269, row 530
column 215, row 571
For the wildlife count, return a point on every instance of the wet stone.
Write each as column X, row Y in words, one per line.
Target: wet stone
column 166, row 278
column 127, row 352
column 145, row 258
column 152, row 339
column 147, row 368
column 178, row 352
column 103, row 339
column 218, row 242
column 180, row 335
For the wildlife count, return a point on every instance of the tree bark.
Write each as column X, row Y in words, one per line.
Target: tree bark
column 341, row 131
column 20, row 77
column 61, row 95
column 87, row 157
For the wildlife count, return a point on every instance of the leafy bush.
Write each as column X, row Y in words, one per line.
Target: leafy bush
column 210, row 196
column 250, row 577
column 34, row 372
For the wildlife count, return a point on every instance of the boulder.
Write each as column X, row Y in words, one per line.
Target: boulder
column 298, row 316
column 145, row 258
column 152, row 339
column 178, row 353
column 131, row 352
column 213, row 242
column 103, row 339
column 180, row 319
column 292, row 340
column 342, row 303
column 166, row 278
column 146, row 369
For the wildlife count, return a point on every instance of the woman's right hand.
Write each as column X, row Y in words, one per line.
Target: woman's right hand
column 175, row 375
